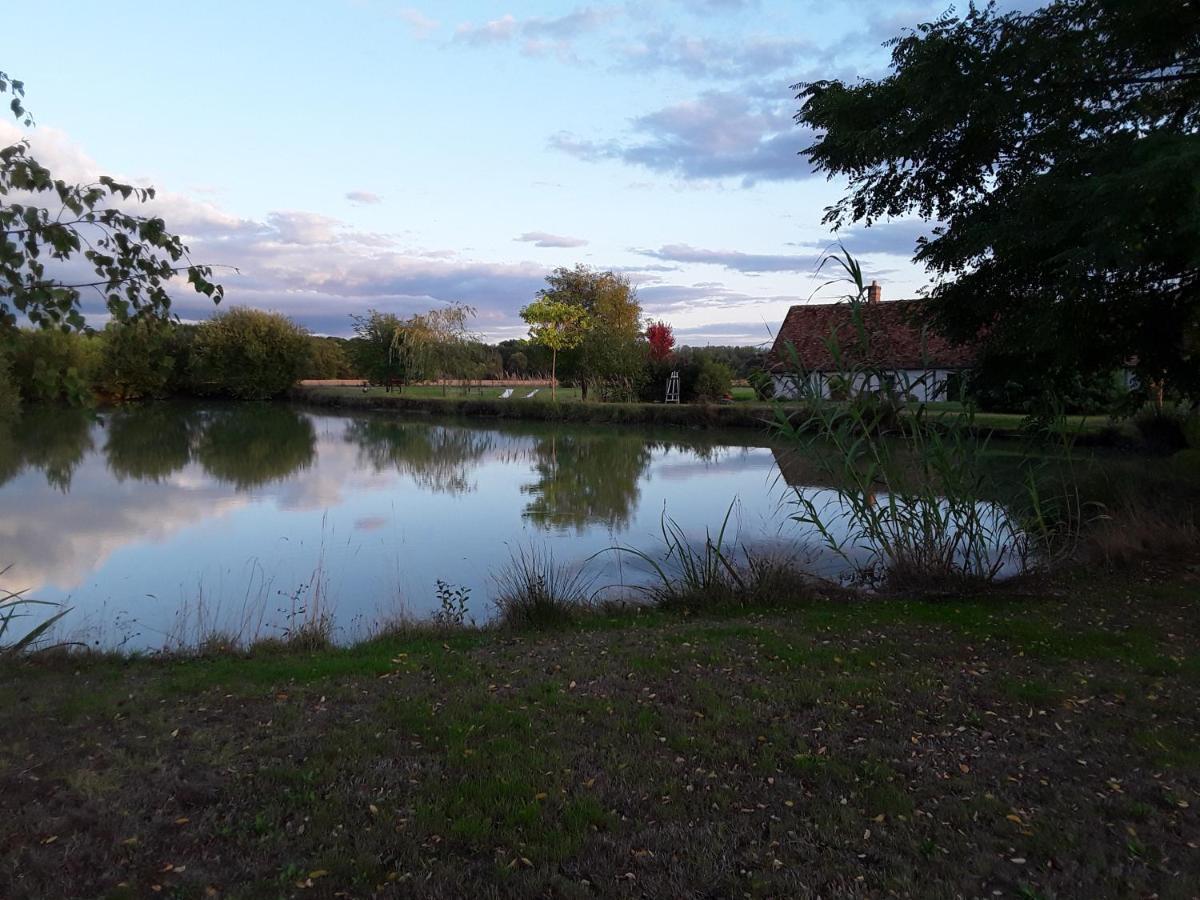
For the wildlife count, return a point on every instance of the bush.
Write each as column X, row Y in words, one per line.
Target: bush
column 534, row 592
column 135, row 360
column 714, row 381
column 51, row 366
column 762, row 383
column 248, row 354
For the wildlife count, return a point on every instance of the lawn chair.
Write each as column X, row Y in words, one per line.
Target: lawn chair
column 507, row 393
column 531, row 394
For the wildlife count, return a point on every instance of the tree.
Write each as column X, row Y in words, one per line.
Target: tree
column 372, row 349
column 610, row 352
column 661, row 339
column 557, row 325
column 133, row 259
column 135, row 361
column 248, row 354
column 1060, row 150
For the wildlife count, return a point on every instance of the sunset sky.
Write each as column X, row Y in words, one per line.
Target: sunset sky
column 364, row 153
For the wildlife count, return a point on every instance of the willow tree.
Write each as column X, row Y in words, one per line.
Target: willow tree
column 1060, row 151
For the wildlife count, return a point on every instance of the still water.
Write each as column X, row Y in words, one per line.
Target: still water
column 157, row 523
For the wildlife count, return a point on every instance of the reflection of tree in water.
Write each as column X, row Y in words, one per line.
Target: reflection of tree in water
column 151, row 443
column 251, row 444
column 586, row 479
column 435, row 457
column 53, row 439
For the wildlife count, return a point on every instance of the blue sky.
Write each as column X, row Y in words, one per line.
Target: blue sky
column 351, row 154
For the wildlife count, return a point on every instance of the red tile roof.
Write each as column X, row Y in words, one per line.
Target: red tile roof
column 896, row 338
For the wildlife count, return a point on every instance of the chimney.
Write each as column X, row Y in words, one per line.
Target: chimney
column 874, row 292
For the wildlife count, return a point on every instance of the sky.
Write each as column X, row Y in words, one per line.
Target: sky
column 348, row 155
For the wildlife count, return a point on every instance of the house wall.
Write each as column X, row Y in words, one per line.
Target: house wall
column 922, row 385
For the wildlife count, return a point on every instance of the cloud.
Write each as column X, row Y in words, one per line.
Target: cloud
column 718, row 135
column 497, row 31
column 302, row 228
column 542, row 35
column 303, row 264
column 704, row 57
column 363, row 198
column 571, row 25
column 735, row 260
column 894, row 238
column 418, row 23
column 545, row 239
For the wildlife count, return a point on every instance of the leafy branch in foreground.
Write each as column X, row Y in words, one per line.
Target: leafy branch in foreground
column 58, row 240
column 1054, row 153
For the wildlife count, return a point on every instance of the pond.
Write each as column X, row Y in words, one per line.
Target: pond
column 157, row 523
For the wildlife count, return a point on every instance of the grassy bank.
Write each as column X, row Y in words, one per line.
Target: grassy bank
column 745, row 412
column 429, row 401
column 1031, row 746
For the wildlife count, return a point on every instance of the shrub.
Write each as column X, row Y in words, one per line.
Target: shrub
column 135, row 360
column 533, row 592
column 714, row 381
column 248, row 354
column 52, row 366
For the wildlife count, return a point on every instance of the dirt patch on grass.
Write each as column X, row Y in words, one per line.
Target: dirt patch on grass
column 976, row 748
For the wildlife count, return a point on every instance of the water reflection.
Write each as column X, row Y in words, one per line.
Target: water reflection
column 585, row 479
column 438, row 458
column 250, row 446
column 135, row 514
column 151, row 443
column 245, row 446
column 53, row 441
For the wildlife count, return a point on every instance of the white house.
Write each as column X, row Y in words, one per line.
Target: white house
column 822, row 350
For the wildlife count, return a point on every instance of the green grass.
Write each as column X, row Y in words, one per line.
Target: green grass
column 920, row 746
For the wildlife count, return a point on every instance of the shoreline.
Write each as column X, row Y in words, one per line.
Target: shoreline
column 740, row 415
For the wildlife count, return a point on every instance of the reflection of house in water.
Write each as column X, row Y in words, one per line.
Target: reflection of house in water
column 899, row 353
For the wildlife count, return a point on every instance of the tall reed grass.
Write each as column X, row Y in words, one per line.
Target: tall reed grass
column 917, row 506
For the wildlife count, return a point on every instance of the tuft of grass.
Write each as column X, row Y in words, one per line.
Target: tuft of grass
column 533, row 592
column 14, row 605
column 713, row 574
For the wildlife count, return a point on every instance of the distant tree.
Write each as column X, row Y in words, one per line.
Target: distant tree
column 1060, row 147
column 329, row 358
column 133, row 259
column 557, row 325
column 136, row 361
column 611, row 351
column 661, row 338
column 714, row 380
column 372, row 347
column 248, row 354
column 518, row 363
